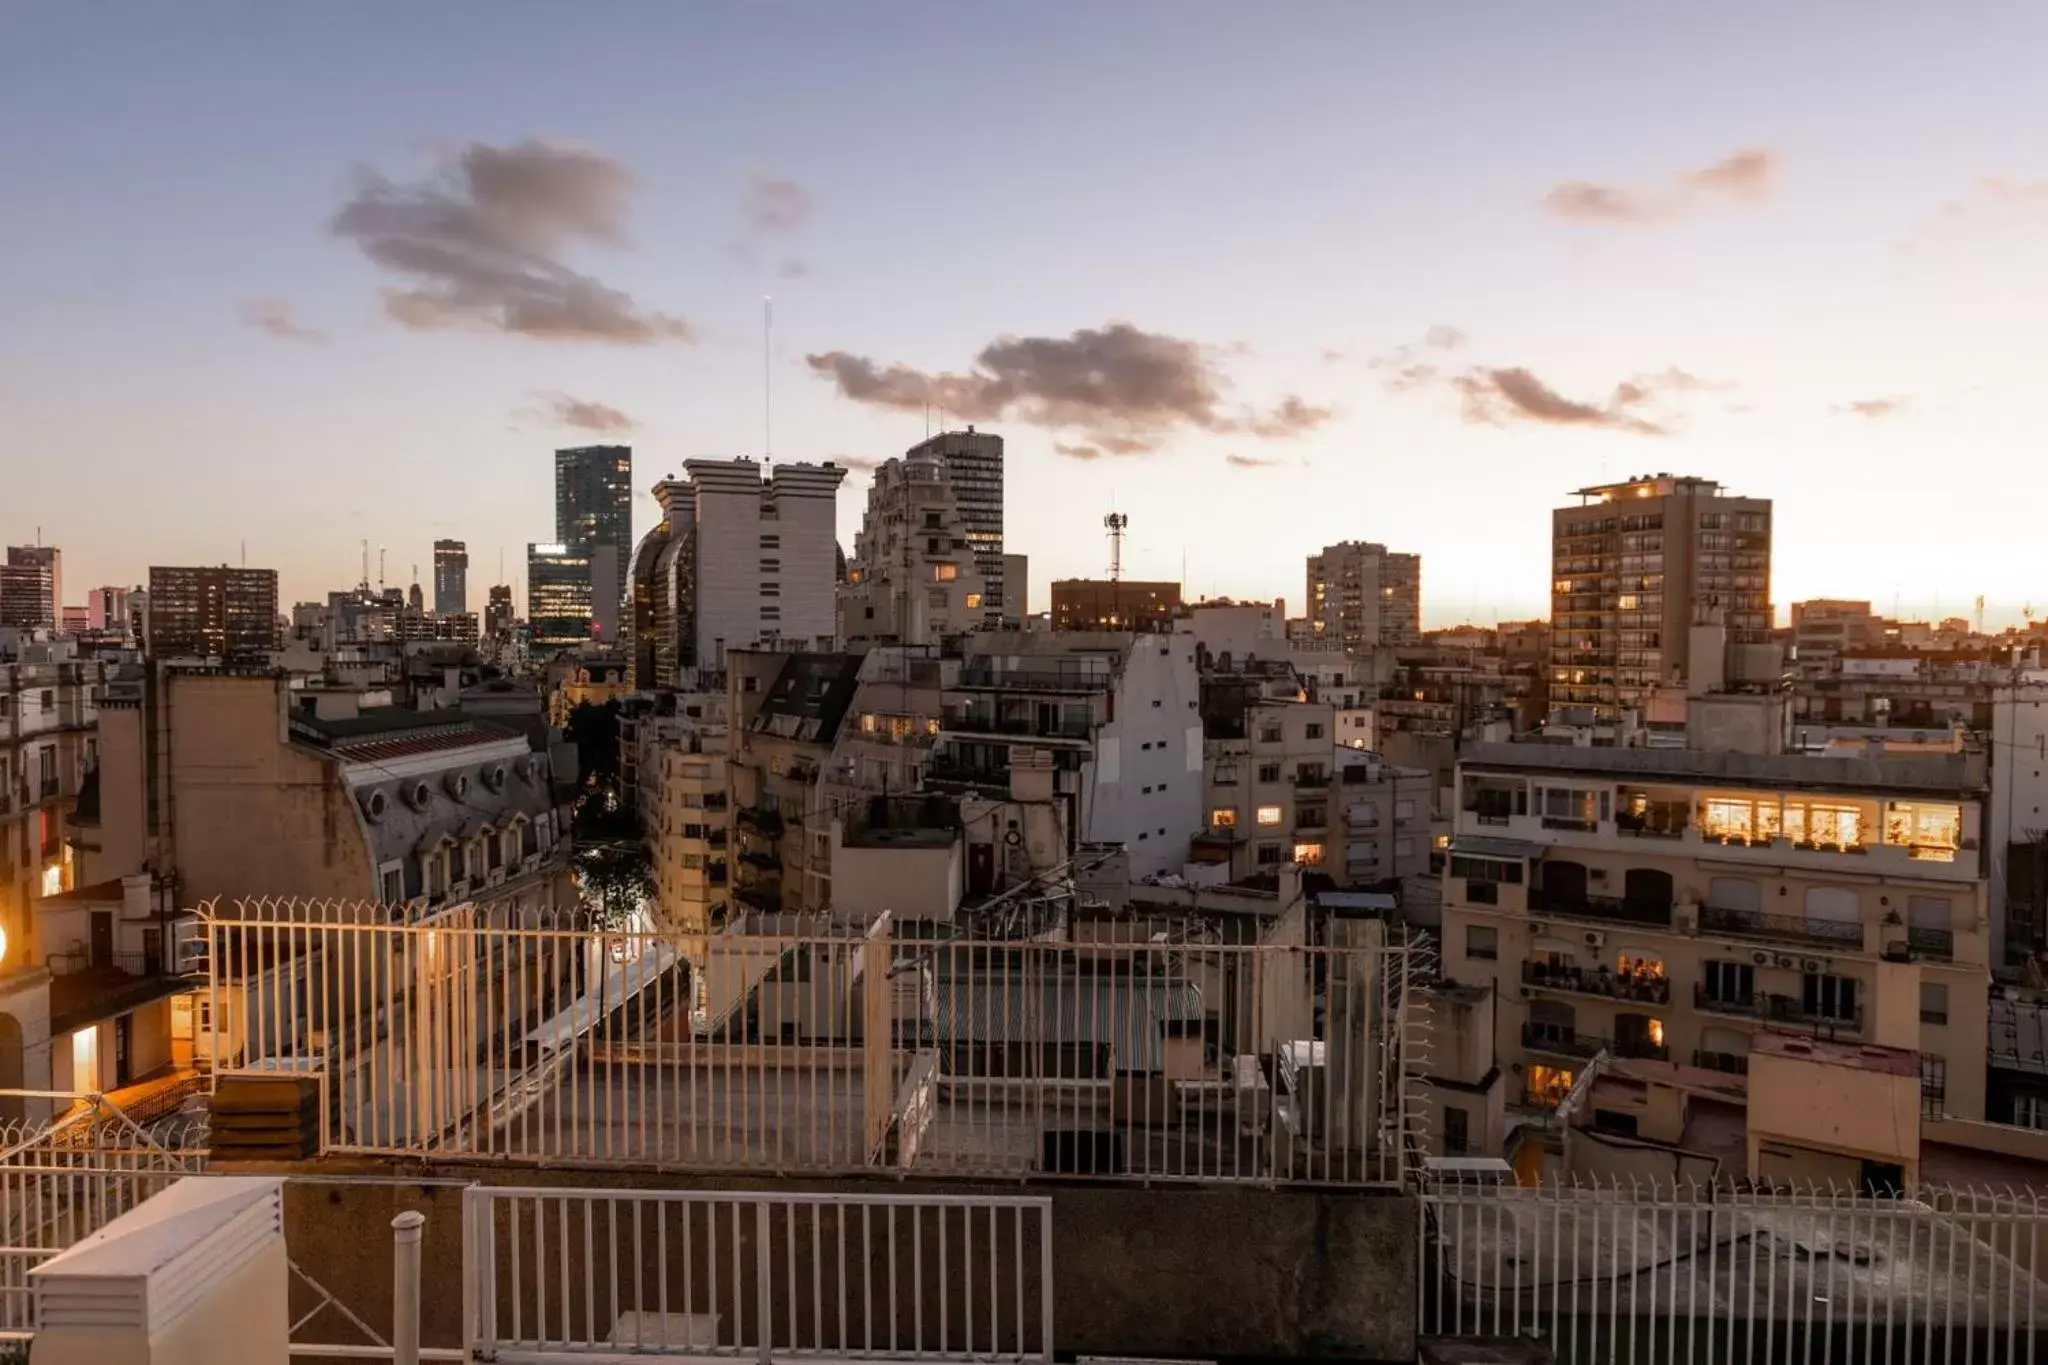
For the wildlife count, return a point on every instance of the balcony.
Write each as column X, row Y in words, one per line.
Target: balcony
column 954, row 772
column 1841, row 935
column 1777, row 1009
column 760, row 898
column 1740, row 1006
column 1732, row 1063
column 1562, row 1042
column 1602, row 983
column 1019, row 727
column 1033, row 680
column 762, row 821
column 1939, row 944
column 1312, row 781
column 1609, row 909
column 84, row 992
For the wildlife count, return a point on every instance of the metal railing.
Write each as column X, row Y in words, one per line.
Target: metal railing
column 1716, row 919
column 1607, row 985
column 1935, row 943
column 824, row 1052
column 1642, row 1273
column 1617, row 909
column 771, row 1276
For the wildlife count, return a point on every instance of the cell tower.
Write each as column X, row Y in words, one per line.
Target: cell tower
column 1116, row 521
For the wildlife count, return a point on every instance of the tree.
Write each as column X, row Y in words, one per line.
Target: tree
column 614, row 879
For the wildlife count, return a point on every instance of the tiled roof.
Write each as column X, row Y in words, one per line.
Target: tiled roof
column 382, row 748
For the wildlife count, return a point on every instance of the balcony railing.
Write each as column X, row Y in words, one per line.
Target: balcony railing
column 1716, row 1002
column 1733, row 1063
column 1935, row 943
column 765, row 822
column 1562, row 1042
column 1617, row 909
column 1606, row 984
column 1032, row 729
column 1715, row 919
column 1570, row 822
column 1033, row 680
column 1314, row 780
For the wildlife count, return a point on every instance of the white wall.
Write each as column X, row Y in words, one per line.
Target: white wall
column 1147, row 782
column 728, row 567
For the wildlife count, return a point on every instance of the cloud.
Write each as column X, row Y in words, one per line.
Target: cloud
column 480, row 244
column 859, row 464
column 1251, row 462
column 275, row 317
column 1742, row 177
column 1443, row 337
column 1118, row 389
column 1411, row 366
column 563, row 411
column 792, row 269
column 1992, row 200
column 773, row 206
column 1872, row 408
column 1331, row 355
column 1500, row 395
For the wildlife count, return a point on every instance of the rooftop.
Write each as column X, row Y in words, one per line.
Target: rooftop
column 1860, row 1056
column 1950, row 774
column 810, row 696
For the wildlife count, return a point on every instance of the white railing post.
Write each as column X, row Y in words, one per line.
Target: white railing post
column 764, row 1296
column 405, row 1287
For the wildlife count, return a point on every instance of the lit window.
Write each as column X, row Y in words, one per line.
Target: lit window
column 867, row 722
column 1930, row 831
column 945, row 573
column 1548, row 1086
column 973, row 601
column 1740, row 819
column 1823, row 824
column 1269, row 815
column 53, row 880
column 1309, row 855
column 1223, row 817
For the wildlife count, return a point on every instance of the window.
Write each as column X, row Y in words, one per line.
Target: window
column 1485, row 869
column 1310, row 816
column 1223, row 817
column 1313, row 731
column 1930, row 831
column 771, row 542
column 1309, row 854
column 392, row 889
column 1457, row 1131
column 1933, row 1002
column 945, row 573
column 1404, row 810
column 1568, row 808
column 1823, row 824
column 1549, row 1085
column 1269, row 734
column 1268, row 815
column 1740, row 819
column 771, row 566
column 1829, row 997
column 1482, row 941
column 1269, row 772
column 1933, row 1086
column 974, row 601
column 1268, row 855
column 935, row 598
column 2028, row 1111
column 1404, row 848
column 1730, row 983
column 771, row 590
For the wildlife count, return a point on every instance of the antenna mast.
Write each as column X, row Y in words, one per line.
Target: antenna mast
column 767, row 378
column 1116, row 521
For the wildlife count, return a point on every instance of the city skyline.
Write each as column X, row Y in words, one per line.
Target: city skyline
column 1784, row 282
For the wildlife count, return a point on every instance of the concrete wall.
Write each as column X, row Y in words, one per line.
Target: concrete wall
column 1160, row 1272
column 252, row 815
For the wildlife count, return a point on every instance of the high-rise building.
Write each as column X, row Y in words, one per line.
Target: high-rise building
column 914, row 578
column 1114, row 604
column 557, row 595
column 107, row 609
column 1364, row 596
column 974, row 466
column 451, row 577
column 212, row 612
column 32, row 587
column 1016, row 591
column 738, row 562
column 498, row 615
column 594, row 519
column 1635, row 567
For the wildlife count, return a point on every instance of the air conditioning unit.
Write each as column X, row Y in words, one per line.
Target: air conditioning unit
column 1595, row 939
column 1539, row 929
column 1784, row 961
column 1760, row 959
column 1811, row 964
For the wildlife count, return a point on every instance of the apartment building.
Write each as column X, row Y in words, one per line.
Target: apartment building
column 737, row 562
column 787, row 712
column 1279, row 788
column 1362, row 595
column 974, row 470
column 1826, row 628
column 1114, row 604
column 32, row 587
column 217, row 613
column 674, row 753
column 1669, row 903
column 1115, row 717
column 1636, row 566
column 914, row 578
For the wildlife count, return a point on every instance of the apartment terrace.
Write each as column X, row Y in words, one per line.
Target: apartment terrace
column 817, row 1048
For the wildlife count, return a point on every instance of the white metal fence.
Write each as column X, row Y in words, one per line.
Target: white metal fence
column 1635, row 1274
column 66, row 1179
column 768, row 1275
column 1149, row 1057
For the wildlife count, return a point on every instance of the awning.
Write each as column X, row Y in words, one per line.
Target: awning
column 1482, row 846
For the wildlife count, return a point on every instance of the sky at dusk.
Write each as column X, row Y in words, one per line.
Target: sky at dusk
column 1263, row 277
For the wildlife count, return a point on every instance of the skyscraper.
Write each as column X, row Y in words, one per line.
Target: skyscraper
column 914, row 578
column 594, row 519
column 1364, row 596
column 451, row 577
column 32, row 587
column 974, row 466
column 212, row 613
column 737, row 562
column 557, row 595
column 498, row 612
column 1635, row 567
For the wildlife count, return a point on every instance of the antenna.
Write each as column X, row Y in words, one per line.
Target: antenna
column 1980, row 613
column 365, row 584
column 767, row 378
column 1116, row 521
column 380, row 568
